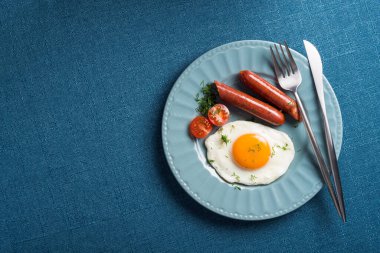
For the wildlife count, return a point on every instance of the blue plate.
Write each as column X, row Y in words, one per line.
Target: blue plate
column 187, row 157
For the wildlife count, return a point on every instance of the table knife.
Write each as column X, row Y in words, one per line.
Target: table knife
column 315, row 63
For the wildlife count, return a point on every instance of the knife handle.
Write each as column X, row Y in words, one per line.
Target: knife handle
column 333, row 162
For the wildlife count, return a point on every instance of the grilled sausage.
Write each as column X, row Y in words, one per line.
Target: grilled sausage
column 249, row 104
column 270, row 93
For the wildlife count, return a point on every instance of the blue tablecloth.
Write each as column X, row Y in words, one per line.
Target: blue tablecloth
column 83, row 86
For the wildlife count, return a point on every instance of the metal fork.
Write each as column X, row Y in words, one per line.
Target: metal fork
column 289, row 78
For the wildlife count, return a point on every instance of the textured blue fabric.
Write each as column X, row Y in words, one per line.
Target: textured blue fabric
column 82, row 90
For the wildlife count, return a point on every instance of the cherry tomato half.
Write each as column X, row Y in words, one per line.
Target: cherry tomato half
column 200, row 127
column 218, row 114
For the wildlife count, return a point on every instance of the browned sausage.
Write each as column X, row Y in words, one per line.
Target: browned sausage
column 270, row 93
column 250, row 104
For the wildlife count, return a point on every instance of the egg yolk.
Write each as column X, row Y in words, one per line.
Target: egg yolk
column 251, row 151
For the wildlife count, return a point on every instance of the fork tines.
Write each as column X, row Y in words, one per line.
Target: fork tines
column 285, row 65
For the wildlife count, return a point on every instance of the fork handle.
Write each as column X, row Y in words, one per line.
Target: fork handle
column 317, row 152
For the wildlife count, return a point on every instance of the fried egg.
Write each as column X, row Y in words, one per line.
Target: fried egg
column 249, row 153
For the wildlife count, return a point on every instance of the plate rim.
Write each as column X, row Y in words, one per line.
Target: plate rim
column 208, row 54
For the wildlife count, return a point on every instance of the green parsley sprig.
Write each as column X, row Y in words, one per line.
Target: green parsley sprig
column 206, row 98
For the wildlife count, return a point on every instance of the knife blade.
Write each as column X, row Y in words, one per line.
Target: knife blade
column 315, row 63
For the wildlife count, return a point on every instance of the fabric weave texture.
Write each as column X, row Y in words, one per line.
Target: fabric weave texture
column 82, row 90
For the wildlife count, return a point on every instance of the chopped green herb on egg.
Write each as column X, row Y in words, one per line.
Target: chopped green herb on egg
column 232, row 127
column 273, row 153
column 237, row 177
column 285, row 147
column 225, row 139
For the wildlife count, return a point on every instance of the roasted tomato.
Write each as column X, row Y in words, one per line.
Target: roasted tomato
column 218, row 114
column 200, row 127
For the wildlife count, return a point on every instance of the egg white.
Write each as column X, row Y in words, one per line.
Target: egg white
column 220, row 156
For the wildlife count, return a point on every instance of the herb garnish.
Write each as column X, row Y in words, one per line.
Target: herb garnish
column 210, row 161
column 237, row 177
column 285, row 147
column 253, row 178
column 206, row 98
column 255, row 148
column 232, row 127
column 236, row 187
column 251, row 150
column 273, row 153
column 225, row 139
